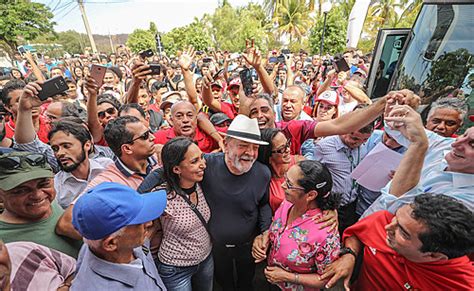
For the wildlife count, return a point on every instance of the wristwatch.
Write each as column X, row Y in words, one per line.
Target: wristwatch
column 344, row 251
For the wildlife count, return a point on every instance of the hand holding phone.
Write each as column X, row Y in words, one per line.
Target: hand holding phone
column 98, row 73
column 341, row 65
column 146, row 54
column 52, row 87
column 247, row 82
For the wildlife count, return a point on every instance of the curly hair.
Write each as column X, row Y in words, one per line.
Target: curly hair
column 449, row 223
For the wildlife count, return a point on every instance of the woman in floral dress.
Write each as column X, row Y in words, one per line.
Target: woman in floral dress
column 299, row 249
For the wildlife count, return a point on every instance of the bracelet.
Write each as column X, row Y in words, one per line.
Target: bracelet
column 297, row 278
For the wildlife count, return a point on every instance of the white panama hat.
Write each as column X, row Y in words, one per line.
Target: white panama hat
column 245, row 129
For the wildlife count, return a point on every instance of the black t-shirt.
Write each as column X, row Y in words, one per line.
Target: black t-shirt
column 239, row 204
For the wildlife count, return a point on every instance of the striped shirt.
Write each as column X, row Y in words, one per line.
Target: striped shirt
column 186, row 241
column 36, row 267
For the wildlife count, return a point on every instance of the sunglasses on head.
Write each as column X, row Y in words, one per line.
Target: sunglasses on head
column 109, row 111
column 283, row 149
column 143, row 136
column 12, row 163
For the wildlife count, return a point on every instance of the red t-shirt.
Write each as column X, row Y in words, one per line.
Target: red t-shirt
column 277, row 194
column 229, row 110
column 385, row 269
column 43, row 130
column 298, row 131
column 206, row 143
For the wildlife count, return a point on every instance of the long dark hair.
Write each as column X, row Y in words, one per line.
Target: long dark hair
column 172, row 155
column 316, row 176
column 265, row 151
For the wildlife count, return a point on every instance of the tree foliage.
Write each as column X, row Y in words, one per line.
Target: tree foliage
column 140, row 40
column 231, row 27
column 195, row 34
column 22, row 21
column 292, row 19
column 335, row 36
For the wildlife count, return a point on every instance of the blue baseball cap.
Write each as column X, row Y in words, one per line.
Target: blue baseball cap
column 109, row 206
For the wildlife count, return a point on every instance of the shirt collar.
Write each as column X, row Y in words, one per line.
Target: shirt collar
column 128, row 173
column 123, row 273
column 340, row 145
column 460, row 180
column 93, row 167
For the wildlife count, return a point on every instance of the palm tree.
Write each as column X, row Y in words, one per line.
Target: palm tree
column 292, row 18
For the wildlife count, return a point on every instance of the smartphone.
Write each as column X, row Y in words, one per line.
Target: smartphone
column 21, row 50
column 247, row 82
column 285, row 51
column 155, row 69
column 52, row 87
column 146, row 54
column 98, row 73
column 341, row 65
column 218, row 74
column 273, row 60
column 207, row 60
column 281, row 59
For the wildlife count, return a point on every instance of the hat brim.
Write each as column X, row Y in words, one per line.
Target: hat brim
column 250, row 140
column 153, row 206
column 17, row 179
column 326, row 101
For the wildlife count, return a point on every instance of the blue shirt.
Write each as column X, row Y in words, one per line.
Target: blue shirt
column 93, row 273
column 434, row 177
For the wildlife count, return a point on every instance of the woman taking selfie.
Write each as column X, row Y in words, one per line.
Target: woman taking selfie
column 299, row 249
column 184, row 256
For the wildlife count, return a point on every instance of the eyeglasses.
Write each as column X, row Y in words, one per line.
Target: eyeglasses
column 109, row 111
column 290, row 186
column 283, row 149
column 143, row 136
column 12, row 163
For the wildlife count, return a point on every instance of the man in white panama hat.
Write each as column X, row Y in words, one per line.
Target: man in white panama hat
column 236, row 188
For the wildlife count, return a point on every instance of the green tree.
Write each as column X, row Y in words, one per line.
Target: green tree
column 72, row 41
column 335, row 36
column 22, row 21
column 292, row 19
column 230, row 27
column 140, row 40
column 195, row 34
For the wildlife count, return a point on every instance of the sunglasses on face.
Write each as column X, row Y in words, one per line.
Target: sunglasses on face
column 12, row 163
column 283, row 149
column 109, row 111
column 143, row 136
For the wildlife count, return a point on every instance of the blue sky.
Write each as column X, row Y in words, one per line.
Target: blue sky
column 123, row 16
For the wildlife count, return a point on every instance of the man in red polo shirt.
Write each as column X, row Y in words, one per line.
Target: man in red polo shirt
column 422, row 247
column 185, row 123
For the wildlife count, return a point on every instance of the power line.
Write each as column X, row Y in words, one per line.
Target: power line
column 70, row 10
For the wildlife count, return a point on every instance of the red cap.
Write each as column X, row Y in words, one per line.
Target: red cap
column 234, row 82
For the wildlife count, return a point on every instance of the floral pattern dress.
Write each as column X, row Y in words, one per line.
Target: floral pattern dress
column 301, row 247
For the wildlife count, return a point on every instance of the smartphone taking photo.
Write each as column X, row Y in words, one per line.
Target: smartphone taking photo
column 98, row 73
column 52, row 87
column 341, row 65
column 247, row 82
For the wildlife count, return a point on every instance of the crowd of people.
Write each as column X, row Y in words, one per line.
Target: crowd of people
column 196, row 177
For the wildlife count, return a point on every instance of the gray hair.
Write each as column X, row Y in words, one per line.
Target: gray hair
column 95, row 244
column 450, row 103
column 264, row 96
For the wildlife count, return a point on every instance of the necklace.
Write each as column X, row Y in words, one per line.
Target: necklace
column 190, row 191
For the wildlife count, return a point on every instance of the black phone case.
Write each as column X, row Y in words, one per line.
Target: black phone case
column 247, row 82
column 52, row 87
column 155, row 69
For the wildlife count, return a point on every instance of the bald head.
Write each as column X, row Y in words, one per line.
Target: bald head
column 292, row 102
column 182, row 105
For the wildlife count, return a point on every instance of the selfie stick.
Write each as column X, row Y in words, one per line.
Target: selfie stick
column 159, row 47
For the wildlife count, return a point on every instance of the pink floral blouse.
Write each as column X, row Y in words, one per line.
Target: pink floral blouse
column 301, row 247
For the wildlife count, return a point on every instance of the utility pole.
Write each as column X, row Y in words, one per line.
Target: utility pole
column 111, row 43
column 86, row 24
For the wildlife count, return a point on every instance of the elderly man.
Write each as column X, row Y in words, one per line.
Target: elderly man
column 30, row 214
column 446, row 116
column 432, row 163
column 292, row 104
column 114, row 221
column 185, row 123
column 236, row 189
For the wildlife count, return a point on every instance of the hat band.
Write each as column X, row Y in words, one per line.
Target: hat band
column 244, row 134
